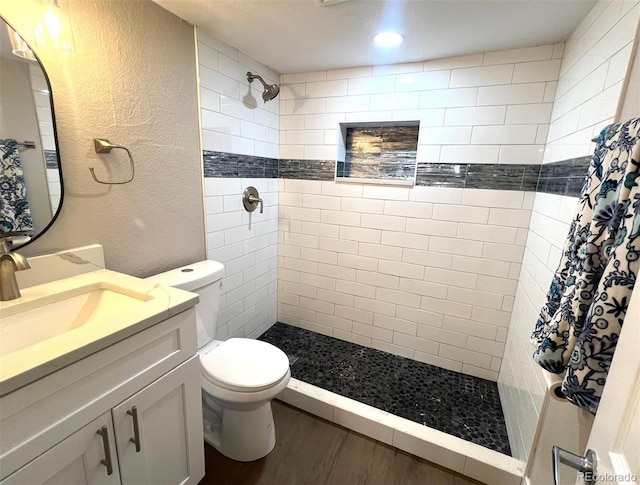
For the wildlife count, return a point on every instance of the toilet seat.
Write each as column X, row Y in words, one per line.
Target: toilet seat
column 244, row 365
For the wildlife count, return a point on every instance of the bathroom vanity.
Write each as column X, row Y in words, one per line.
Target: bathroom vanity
column 109, row 398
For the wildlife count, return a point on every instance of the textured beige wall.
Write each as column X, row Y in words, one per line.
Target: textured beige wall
column 132, row 80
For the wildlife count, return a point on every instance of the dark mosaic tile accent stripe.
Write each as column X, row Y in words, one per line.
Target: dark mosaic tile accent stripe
column 223, row 164
column 478, row 175
column 564, row 178
column 481, row 176
column 362, row 168
column 507, row 177
column 51, row 158
column 441, row 174
column 458, row 404
column 307, row 169
column 397, row 165
column 380, row 152
column 530, row 177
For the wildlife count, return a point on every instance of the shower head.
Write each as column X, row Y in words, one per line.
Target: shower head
column 270, row 90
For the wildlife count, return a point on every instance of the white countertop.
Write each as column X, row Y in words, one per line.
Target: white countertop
column 153, row 304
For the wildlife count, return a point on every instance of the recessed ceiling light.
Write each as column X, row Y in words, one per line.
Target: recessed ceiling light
column 388, row 39
column 326, row 3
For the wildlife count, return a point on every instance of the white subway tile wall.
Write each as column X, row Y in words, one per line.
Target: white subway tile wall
column 586, row 96
column 55, row 188
column 521, row 383
column 246, row 243
column 594, row 65
column 234, row 117
column 402, row 269
column 471, row 108
column 39, row 89
column 42, row 101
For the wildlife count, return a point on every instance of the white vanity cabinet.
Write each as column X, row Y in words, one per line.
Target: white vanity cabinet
column 76, row 460
column 132, row 409
column 152, row 427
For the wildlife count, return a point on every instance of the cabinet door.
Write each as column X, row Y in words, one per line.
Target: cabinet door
column 159, row 430
column 82, row 458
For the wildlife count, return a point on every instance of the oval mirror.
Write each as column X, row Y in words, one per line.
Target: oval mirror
column 30, row 181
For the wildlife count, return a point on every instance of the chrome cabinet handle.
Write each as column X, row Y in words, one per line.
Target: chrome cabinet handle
column 585, row 464
column 104, row 432
column 136, row 429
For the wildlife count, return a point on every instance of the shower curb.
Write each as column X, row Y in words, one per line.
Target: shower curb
column 449, row 451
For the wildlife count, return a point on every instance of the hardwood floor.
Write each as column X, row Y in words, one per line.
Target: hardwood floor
column 312, row 451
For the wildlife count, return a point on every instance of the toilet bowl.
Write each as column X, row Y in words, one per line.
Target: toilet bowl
column 239, row 376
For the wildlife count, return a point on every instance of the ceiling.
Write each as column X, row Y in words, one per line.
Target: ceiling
column 305, row 35
column 5, row 44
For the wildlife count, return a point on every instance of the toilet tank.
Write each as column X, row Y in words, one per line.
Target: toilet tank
column 205, row 279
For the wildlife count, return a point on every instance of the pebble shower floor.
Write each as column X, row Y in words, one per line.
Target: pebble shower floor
column 458, row 404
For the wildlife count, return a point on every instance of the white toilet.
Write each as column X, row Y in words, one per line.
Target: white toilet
column 240, row 376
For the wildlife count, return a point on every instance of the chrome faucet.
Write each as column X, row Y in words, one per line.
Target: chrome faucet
column 10, row 262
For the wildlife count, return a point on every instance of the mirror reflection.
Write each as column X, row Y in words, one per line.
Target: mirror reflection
column 30, row 182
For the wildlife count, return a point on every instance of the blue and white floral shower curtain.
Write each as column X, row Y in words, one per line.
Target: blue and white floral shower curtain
column 15, row 215
column 579, row 325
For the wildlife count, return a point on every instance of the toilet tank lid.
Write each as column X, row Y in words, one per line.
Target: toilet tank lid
column 192, row 276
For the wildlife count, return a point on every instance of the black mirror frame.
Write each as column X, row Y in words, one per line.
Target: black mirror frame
column 55, row 136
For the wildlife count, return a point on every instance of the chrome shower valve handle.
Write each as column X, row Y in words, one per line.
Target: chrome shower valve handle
column 251, row 199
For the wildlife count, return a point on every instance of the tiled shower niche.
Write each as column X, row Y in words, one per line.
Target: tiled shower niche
column 378, row 152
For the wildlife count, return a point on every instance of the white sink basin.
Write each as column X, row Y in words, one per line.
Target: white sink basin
column 55, row 324
column 31, row 322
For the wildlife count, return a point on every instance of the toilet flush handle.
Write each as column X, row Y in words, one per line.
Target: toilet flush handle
column 251, row 199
